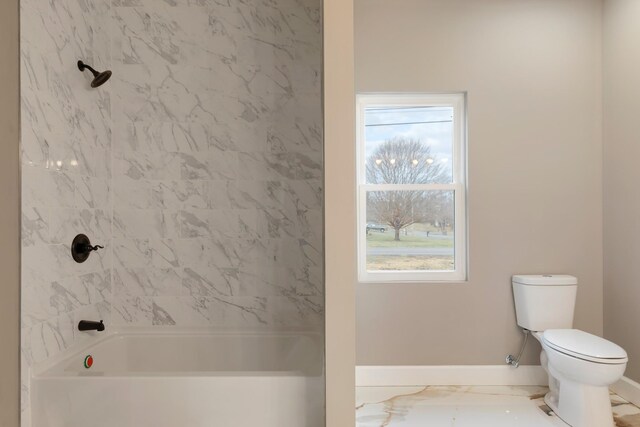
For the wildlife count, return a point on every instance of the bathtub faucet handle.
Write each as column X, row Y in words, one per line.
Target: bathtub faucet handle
column 89, row 325
column 81, row 248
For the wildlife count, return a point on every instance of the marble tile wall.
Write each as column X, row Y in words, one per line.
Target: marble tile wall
column 66, row 174
column 217, row 173
column 198, row 166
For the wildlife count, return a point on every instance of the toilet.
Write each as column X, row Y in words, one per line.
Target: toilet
column 581, row 366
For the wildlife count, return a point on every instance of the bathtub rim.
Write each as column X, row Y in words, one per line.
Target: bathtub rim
column 44, row 370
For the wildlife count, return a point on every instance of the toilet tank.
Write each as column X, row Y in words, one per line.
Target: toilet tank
column 545, row 301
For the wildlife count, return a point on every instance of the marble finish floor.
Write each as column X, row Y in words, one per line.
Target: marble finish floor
column 468, row 406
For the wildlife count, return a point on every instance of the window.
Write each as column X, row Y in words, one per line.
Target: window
column 411, row 188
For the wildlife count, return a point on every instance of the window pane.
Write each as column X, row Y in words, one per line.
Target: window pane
column 409, row 145
column 410, row 230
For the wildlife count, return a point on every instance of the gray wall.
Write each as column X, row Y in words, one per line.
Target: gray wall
column 532, row 72
column 9, row 216
column 621, row 178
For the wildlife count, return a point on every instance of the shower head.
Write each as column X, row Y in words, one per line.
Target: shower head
column 98, row 78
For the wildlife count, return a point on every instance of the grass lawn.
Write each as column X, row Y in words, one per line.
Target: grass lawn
column 376, row 262
column 376, row 239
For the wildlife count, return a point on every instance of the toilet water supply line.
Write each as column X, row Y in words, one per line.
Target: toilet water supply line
column 515, row 361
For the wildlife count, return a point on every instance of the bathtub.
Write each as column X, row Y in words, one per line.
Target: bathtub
column 185, row 380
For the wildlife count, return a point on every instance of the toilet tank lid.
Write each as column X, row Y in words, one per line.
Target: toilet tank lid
column 545, row 279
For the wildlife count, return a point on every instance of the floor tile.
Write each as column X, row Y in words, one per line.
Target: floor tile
column 471, row 406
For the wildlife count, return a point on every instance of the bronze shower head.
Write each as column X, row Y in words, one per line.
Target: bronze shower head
column 98, row 78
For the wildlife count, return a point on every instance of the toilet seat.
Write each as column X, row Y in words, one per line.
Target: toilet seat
column 584, row 346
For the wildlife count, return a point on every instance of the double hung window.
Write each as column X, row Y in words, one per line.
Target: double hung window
column 411, row 187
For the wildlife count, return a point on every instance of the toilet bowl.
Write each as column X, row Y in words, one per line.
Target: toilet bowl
column 581, row 367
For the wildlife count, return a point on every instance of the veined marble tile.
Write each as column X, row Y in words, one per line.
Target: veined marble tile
column 179, row 93
column 267, row 166
column 238, row 127
column 45, row 188
column 219, row 223
column 137, row 253
column 161, row 20
column 220, row 194
column 297, row 312
column 52, row 263
column 180, row 194
column 35, row 225
column 139, row 311
column 156, row 34
column 300, row 281
column 255, row 195
column 47, row 339
column 228, row 312
column 91, row 159
column 162, row 136
column 297, row 136
column 65, row 224
column 214, row 281
column 216, row 165
column 147, row 281
column 466, row 406
column 219, row 312
column 214, row 252
column 133, row 193
column 92, row 192
column 59, row 153
column 60, row 112
column 303, row 110
column 310, row 227
column 146, row 223
column 50, row 151
column 625, row 414
column 25, row 377
column 157, row 165
column 46, row 300
column 277, row 223
column 455, row 406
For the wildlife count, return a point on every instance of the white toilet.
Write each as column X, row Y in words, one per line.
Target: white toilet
column 581, row 366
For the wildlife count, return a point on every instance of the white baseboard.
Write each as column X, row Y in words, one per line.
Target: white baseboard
column 627, row 389
column 376, row 376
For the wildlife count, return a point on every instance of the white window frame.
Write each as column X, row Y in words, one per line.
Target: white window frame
column 459, row 185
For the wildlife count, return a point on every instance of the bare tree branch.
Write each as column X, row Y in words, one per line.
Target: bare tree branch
column 407, row 161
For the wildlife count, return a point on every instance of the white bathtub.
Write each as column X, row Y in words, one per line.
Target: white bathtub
column 185, row 380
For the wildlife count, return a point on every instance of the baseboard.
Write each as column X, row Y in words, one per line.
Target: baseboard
column 627, row 389
column 376, row 376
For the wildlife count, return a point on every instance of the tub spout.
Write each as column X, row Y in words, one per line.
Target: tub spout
column 89, row 325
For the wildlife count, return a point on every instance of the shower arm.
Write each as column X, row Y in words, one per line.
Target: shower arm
column 515, row 361
column 82, row 66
